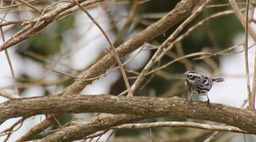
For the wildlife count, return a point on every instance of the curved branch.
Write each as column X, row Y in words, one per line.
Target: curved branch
column 134, row 108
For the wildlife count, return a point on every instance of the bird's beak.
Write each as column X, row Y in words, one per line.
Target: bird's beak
column 182, row 76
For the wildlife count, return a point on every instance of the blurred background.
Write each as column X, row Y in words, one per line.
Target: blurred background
column 72, row 44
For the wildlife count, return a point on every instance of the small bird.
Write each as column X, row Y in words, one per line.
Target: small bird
column 198, row 84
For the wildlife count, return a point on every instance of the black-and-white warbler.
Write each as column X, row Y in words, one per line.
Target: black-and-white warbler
column 198, row 84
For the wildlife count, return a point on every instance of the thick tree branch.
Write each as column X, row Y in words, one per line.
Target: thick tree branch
column 143, row 107
column 102, row 122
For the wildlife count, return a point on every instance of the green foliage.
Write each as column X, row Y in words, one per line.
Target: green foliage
column 49, row 41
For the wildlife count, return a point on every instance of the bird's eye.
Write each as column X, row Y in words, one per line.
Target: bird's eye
column 205, row 80
column 191, row 76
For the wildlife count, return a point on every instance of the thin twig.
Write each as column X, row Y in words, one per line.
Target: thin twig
column 167, row 44
column 7, row 54
column 248, row 29
column 246, row 57
column 161, row 50
column 211, row 137
column 29, row 5
column 180, row 124
column 111, row 47
column 254, row 72
column 10, row 130
column 35, row 25
column 227, row 51
column 177, row 59
column 240, row 17
column 128, row 22
column 8, row 95
column 16, row 5
column 59, row 72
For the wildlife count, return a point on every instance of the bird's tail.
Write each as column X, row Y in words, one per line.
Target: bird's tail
column 217, row 79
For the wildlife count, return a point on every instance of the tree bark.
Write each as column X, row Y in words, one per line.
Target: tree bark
column 128, row 109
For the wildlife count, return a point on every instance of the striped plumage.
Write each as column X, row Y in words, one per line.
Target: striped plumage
column 197, row 84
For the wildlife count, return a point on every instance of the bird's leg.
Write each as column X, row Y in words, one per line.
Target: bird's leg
column 208, row 101
column 191, row 96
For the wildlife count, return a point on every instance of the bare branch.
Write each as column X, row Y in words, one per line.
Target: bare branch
column 182, row 10
column 121, row 67
column 35, row 26
column 136, row 108
column 8, row 95
column 179, row 124
column 248, row 30
column 240, row 17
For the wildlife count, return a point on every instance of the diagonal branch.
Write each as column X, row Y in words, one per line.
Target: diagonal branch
column 36, row 26
column 181, row 11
